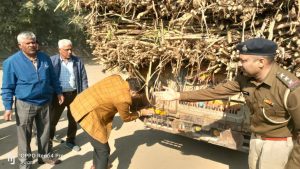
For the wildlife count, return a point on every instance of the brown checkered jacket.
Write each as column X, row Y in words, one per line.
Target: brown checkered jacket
column 96, row 106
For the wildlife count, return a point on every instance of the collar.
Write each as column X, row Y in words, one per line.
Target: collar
column 61, row 59
column 30, row 58
column 269, row 79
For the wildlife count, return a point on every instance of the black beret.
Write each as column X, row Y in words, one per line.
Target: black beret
column 257, row 46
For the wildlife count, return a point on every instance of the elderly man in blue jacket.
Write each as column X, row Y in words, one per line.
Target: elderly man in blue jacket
column 28, row 76
column 73, row 79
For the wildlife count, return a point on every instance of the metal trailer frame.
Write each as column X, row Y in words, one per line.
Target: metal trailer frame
column 227, row 127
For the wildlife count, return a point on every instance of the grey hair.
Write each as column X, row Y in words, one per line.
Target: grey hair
column 64, row 42
column 25, row 35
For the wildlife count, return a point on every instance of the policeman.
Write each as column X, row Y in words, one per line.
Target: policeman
column 272, row 95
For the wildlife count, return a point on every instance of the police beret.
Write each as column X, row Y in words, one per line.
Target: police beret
column 257, row 46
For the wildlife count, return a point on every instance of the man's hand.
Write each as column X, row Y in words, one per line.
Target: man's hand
column 146, row 112
column 167, row 95
column 60, row 98
column 7, row 115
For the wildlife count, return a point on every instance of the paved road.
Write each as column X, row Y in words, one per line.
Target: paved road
column 132, row 147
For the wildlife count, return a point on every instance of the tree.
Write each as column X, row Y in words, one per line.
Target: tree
column 39, row 17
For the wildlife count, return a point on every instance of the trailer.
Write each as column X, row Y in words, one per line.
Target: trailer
column 224, row 123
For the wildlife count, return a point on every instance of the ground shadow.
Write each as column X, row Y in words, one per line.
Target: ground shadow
column 208, row 151
column 79, row 159
column 8, row 141
column 127, row 146
column 8, row 138
column 5, row 164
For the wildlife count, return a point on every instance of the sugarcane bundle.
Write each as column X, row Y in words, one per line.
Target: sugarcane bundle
column 194, row 38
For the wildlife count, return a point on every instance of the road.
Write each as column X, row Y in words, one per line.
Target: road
column 132, row 146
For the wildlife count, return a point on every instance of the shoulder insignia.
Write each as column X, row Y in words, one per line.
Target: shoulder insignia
column 291, row 84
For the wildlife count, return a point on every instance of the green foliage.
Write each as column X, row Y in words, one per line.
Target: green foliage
column 39, row 17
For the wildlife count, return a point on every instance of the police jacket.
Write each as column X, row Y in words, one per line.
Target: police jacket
column 270, row 117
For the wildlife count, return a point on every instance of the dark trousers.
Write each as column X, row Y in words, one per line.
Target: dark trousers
column 100, row 154
column 26, row 113
column 56, row 111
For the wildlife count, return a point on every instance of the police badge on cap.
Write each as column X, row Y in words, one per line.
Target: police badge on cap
column 244, row 48
column 257, row 46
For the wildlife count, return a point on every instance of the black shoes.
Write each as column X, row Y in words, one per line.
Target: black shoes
column 50, row 161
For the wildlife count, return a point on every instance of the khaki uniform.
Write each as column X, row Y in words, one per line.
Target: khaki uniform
column 266, row 103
